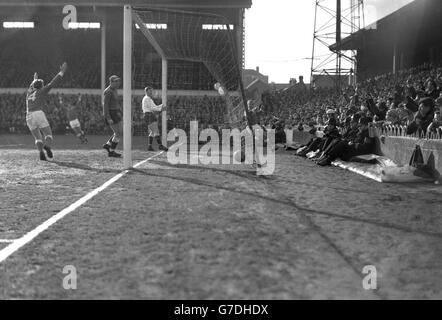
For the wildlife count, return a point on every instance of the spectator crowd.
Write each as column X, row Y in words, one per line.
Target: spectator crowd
column 408, row 102
column 208, row 111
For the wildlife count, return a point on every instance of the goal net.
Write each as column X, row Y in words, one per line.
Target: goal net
column 202, row 58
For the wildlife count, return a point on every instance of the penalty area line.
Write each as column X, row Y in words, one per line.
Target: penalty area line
column 16, row 244
column 10, row 145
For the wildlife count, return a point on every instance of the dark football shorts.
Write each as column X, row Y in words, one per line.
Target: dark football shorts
column 115, row 115
column 151, row 119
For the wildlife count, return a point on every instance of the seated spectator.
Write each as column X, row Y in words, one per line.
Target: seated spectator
column 411, row 104
column 423, row 117
column 350, row 132
column 405, row 115
column 346, row 149
column 435, row 126
column 331, row 132
column 431, row 90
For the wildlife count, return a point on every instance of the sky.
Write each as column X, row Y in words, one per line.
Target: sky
column 279, row 34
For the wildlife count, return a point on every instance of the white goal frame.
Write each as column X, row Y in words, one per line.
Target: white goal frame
column 128, row 26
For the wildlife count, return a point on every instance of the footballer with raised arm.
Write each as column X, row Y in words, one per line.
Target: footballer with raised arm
column 35, row 117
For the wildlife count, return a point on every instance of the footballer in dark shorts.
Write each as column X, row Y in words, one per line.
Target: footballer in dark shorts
column 115, row 116
column 112, row 115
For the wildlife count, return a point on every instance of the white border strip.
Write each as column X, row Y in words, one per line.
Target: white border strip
column 31, row 235
column 6, row 241
column 360, row 171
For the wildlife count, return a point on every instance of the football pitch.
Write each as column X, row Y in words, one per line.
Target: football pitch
column 163, row 231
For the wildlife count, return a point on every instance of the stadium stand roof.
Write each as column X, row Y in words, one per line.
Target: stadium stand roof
column 160, row 3
column 417, row 20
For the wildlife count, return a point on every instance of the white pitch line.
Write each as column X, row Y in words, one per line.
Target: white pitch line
column 31, row 235
column 6, row 241
column 10, row 145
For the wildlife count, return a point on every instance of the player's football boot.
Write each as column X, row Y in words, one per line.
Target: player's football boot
column 150, row 148
column 42, row 156
column 49, row 153
column 162, row 148
column 114, row 154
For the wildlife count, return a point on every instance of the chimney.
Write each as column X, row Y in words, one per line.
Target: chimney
column 257, row 69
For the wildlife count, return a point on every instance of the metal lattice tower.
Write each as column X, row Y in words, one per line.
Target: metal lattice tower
column 334, row 21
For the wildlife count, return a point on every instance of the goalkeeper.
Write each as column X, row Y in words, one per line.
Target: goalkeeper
column 151, row 113
column 112, row 115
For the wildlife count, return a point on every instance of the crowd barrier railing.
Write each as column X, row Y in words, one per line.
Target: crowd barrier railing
column 401, row 131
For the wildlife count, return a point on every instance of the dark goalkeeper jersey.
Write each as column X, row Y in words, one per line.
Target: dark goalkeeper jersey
column 72, row 113
column 110, row 101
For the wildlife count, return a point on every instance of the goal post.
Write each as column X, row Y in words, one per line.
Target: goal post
column 128, row 24
column 127, row 87
column 164, row 100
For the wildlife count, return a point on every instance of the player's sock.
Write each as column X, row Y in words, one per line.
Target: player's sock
column 107, row 145
column 40, row 145
column 149, row 144
column 48, row 141
column 114, row 144
column 83, row 137
column 47, row 147
column 110, row 139
column 160, row 145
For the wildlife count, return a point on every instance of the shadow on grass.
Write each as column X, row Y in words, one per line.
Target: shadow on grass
column 73, row 165
column 287, row 202
column 247, row 174
column 251, row 174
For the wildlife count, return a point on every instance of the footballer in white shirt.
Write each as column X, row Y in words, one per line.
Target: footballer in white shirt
column 151, row 114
